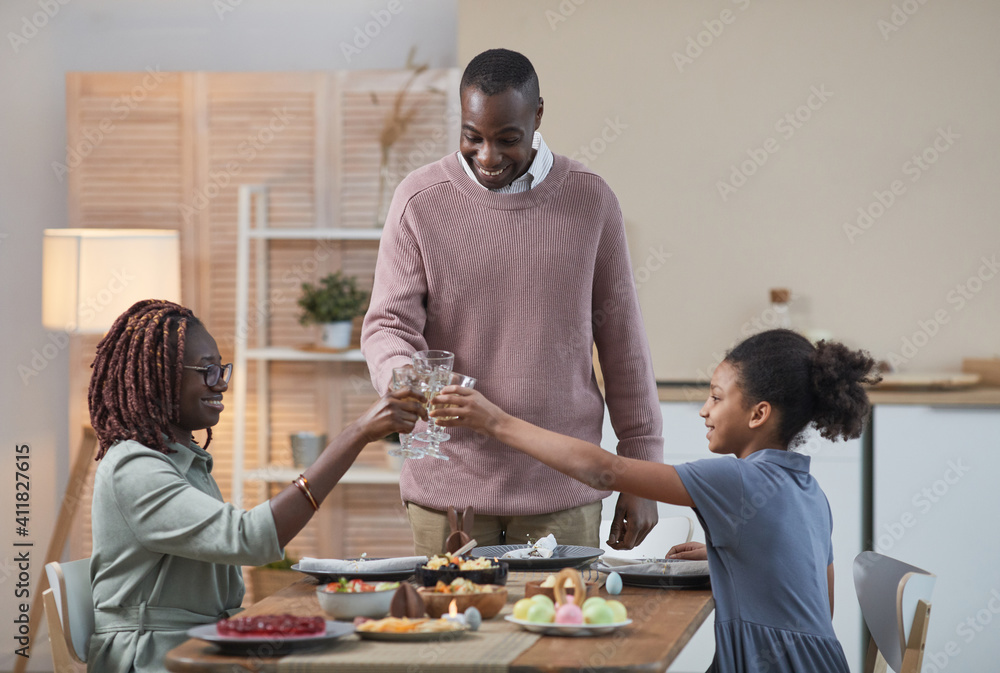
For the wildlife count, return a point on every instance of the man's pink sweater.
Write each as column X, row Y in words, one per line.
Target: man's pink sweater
column 519, row 287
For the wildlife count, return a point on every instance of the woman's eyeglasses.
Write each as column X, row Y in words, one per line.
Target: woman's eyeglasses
column 213, row 373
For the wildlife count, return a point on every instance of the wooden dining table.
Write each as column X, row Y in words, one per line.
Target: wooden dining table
column 663, row 621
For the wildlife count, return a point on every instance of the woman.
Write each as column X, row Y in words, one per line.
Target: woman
column 167, row 549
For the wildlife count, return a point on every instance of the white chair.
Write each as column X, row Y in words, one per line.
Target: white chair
column 69, row 612
column 895, row 600
column 667, row 532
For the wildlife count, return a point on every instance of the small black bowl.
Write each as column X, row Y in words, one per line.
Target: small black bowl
column 495, row 575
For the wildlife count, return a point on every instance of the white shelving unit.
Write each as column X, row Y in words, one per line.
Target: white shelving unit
column 252, row 225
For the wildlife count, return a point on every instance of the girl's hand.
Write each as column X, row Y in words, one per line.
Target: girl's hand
column 396, row 411
column 689, row 551
column 469, row 409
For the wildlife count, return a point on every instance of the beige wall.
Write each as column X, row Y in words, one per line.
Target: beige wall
column 676, row 132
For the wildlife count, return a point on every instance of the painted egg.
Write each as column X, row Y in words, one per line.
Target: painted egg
column 569, row 613
column 473, row 618
column 613, row 584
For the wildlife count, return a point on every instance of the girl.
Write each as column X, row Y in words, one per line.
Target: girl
column 767, row 522
column 167, row 549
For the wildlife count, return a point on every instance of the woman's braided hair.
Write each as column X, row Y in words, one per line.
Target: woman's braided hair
column 135, row 387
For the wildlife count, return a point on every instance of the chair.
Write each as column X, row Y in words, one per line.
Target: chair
column 895, row 600
column 667, row 532
column 69, row 612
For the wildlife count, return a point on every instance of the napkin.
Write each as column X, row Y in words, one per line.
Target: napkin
column 543, row 548
column 332, row 565
column 658, row 567
column 618, row 561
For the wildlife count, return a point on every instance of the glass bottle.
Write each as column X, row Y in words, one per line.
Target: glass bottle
column 779, row 304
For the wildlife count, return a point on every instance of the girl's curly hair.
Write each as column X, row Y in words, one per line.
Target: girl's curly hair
column 821, row 384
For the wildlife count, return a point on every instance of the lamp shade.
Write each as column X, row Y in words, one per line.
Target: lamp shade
column 91, row 276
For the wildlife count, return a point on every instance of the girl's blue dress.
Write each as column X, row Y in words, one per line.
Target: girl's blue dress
column 768, row 526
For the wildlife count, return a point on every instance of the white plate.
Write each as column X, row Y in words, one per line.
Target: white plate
column 568, row 629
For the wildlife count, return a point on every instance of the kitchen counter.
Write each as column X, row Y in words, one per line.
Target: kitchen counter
column 980, row 396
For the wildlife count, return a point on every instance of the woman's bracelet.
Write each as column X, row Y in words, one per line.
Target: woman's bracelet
column 303, row 485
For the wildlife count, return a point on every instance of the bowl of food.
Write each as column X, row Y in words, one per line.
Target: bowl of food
column 548, row 587
column 347, row 599
column 446, row 568
column 489, row 599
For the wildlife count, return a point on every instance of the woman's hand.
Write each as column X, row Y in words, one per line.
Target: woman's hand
column 689, row 551
column 396, row 411
column 466, row 407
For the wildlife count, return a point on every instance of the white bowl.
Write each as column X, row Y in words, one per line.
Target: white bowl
column 345, row 605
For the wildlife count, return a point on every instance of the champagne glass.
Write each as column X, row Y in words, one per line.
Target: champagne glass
column 456, row 380
column 405, row 377
column 433, row 369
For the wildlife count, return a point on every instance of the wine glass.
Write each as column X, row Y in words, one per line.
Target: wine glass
column 405, row 377
column 455, row 380
column 433, row 370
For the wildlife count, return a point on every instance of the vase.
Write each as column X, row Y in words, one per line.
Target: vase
column 337, row 334
column 306, row 447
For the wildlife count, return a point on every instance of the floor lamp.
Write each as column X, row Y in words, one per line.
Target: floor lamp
column 90, row 277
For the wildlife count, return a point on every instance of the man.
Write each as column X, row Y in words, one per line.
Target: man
column 515, row 259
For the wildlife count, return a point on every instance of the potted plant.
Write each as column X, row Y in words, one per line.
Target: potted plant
column 332, row 304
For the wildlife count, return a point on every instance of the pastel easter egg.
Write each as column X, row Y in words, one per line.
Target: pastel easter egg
column 541, row 613
column 618, row 610
column 473, row 618
column 569, row 613
column 613, row 584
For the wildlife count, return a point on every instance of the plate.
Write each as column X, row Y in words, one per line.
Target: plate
column 564, row 556
column 266, row 647
column 656, row 581
column 414, row 637
column 572, row 630
column 385, row 576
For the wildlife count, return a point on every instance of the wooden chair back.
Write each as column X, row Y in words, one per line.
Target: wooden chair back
column 73, row 603
column 895, row 600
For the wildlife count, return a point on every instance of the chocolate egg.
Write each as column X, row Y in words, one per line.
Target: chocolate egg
column 613, row 584
column 406, row 602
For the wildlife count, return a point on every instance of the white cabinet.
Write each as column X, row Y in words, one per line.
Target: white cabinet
column 838, row 469
column 935, row 496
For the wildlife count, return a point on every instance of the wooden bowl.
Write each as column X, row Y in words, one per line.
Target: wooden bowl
column 489, row 604
column 534, row 587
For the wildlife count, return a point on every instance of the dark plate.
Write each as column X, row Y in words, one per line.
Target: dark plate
column 657, row 581
column 268, row 647
column 495, row 575
column 391, row 576
column 564, row 556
